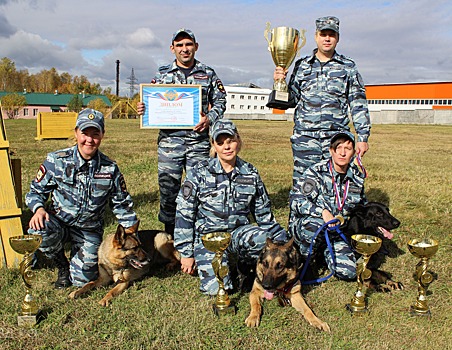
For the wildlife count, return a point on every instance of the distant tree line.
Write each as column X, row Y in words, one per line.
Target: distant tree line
column 48, row 81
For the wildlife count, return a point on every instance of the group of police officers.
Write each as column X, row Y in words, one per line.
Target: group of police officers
column 325, row 88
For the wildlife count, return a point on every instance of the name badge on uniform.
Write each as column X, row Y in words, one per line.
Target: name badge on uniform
column 244, row 181
column 102, row 176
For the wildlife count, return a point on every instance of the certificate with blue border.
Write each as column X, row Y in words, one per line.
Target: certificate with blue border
column 170, row 106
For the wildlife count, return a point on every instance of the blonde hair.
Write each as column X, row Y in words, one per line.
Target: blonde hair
column 236, row 137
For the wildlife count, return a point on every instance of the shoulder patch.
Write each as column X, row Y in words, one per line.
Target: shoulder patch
column 187, row 189
column 221, row 86
column 41, row 173
column 308, row 186
column 122, row 183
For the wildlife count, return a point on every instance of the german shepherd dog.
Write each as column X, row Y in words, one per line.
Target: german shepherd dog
column 375, row 219
column 278, row 274
column 128, row 255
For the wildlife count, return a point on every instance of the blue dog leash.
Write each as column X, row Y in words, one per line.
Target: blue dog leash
column 325, row 228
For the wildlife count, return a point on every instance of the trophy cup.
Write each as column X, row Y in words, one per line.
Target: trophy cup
column 217, row 242
column 27, row 245
column 423, row 249
column 365, row 245
column 283, row 45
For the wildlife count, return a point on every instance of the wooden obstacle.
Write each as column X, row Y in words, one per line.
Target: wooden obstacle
column 10, row 211
column 55, row 125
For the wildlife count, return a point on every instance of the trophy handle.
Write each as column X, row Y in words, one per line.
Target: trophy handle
column 266, row 31
column 303, row 40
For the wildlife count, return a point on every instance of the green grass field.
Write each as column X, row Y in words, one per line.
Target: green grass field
column 410, row 169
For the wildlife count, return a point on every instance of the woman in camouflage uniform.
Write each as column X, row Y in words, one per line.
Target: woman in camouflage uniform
column 220, row 194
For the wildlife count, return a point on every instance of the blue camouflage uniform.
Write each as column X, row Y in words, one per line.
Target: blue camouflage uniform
column 179, row 149
column 210, row 201
column 325, row 94
column 79, row 191
column 312, row 193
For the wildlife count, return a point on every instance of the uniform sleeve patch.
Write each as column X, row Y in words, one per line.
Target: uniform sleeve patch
column 41, row 173
column 187, row 190
column 308, row 186
column 221, row 86
column 122, row 183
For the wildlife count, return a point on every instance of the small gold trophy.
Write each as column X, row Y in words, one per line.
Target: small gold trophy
column 365, row 245
column 283, row 44
column 423, row 249
column 217, row 242
column 27, row 245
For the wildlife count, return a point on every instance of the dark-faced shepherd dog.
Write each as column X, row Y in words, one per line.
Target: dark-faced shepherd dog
column 129, row 255
column 374, row 219
column 278, row 274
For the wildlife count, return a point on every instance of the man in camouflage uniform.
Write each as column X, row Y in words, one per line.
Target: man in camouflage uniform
column 217, row 198
column 179, row 149
column 80, row 182
column 328, row 189
column 325, row 88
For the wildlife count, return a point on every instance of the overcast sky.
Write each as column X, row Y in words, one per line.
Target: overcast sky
column 391, row 41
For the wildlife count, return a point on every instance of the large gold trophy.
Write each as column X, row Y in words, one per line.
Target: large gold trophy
column 283, row 44
column 423, row 249
column 27, row 245
column 217, row 242
column 365, row 245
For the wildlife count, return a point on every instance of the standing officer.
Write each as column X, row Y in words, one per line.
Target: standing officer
column 182, row 149
column 328, row 189
column 221, row 194
column 325, row 88
column 80, row 182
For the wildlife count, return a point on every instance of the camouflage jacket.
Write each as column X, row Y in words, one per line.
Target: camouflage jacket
column 314, row 192
column 211, row 200
column 325, row 94
column 213, row 92
column 80, row 190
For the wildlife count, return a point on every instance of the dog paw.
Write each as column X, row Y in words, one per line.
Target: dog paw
column 73, row 295
column 395, row 285
column 104, row 302
column 323, row 326
column 252, row 321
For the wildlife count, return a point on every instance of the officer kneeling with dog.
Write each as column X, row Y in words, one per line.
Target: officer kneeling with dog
column 80, row 182
column 328, row 190
column 220, row 194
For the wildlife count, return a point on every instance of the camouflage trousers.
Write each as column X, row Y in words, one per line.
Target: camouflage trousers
column 174, row 155
column 308, row 150
column 84, row 246
column 246, row 244
column 342, row 260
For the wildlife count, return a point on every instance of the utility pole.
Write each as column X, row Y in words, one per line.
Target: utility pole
column 117, row 78
column 132, row 82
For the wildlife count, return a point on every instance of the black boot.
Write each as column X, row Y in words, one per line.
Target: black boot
column 169, row 228
column 61, row 262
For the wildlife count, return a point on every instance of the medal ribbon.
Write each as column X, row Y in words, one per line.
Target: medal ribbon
column 360, row 164
column 339, row 202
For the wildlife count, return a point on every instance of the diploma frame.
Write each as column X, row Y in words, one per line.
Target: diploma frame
column 170, row 106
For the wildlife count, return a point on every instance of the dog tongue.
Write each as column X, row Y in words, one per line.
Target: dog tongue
column 268, row 295
column 386, row 233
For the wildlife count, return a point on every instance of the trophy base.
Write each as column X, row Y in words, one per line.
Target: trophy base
column 418, row 312
column 221, row 311
column 30, row 320
column 356, row 310
column 279, row 100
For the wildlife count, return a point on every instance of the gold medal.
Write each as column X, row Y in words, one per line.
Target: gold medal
column 340, row 218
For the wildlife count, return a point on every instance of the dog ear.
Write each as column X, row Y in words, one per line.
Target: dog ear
column 289, row 243
column 120, row 235
column 270, row 243
column 132, row 229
